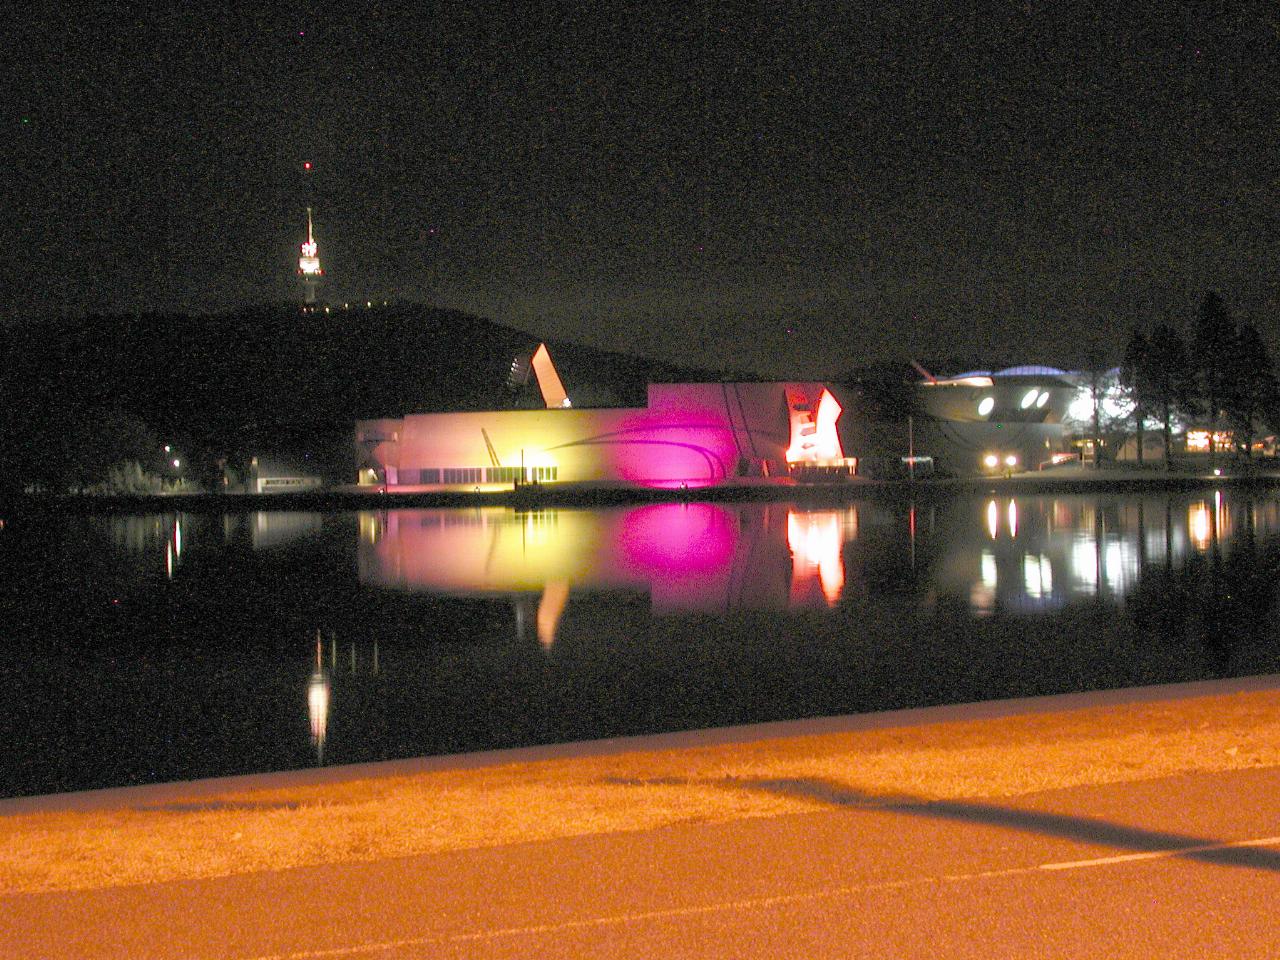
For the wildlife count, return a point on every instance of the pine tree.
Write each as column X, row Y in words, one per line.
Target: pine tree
column 1167, row 378
column 1213, row 342
column 1251, row 390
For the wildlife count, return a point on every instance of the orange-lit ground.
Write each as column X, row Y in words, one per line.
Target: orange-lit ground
column 773, row 826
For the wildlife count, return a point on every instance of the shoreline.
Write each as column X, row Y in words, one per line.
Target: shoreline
column 584, row 495
column 266, row 822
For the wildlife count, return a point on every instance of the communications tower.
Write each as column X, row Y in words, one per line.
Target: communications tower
column 309, row 266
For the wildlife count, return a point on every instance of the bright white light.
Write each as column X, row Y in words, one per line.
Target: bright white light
column 1011, row 461
column 1013, row 518
column 1115, row 406
column 1081, row 407
column 988, row 563
column 993, row 521
column 986, row 406
column 1042, row 399
column 1084, row 562
column 318, row 708
column 1029, row 398
column 177, row 462
column 1037, row 576
column 991, row 461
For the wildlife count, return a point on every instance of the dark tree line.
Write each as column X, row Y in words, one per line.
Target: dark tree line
column 1219, row 377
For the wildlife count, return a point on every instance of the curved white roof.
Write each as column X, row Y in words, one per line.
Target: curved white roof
column 1031, row 370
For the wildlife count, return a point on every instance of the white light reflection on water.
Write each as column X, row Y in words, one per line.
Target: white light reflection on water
column 816, row 541
column 322, row 680
column 1042, row 552
column 1038, row 576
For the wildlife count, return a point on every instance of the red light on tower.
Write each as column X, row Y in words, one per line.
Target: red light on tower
column 306, row 165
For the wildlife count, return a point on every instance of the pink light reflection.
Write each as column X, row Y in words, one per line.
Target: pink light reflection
column 685, row 550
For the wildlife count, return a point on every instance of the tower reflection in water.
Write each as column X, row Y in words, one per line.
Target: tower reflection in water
column 320, row 685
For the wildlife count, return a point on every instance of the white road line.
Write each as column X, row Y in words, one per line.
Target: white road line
column 1160, row 854
column 382, row 946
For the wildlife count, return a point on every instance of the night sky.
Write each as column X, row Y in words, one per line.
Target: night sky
column 796, row 188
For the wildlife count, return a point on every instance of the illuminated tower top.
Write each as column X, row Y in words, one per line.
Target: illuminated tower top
column 309, row 264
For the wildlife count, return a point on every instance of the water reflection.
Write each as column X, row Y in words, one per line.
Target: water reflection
column 628, row 620
column 320, row 685
column 275, row 528
column 1023, row 554
column 1043, row 552
column 151, row 535
column 688, row 557
column 318, row 691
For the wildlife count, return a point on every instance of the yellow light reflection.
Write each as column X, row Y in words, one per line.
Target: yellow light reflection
column 1198, row 525
column 1013, row 519
column 993, row 519
column 555, row 595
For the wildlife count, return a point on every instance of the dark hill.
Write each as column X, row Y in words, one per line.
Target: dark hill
column 275, row 379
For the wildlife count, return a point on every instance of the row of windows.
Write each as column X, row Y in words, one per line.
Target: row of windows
column 478, row 475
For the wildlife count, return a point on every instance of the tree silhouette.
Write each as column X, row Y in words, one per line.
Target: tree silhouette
column 1251, row 393
column 1133, row 381
column 1166, row 381
column 1213, row 342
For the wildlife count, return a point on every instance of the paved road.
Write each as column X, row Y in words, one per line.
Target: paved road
column 1082, row 872
column 1073, row 873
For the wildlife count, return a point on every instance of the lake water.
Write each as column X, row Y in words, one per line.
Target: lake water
column 171, row 646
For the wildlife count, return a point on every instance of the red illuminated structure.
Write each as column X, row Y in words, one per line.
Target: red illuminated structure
column 309, row 265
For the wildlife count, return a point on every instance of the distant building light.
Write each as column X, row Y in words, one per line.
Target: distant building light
column 176, row 462
column 1198, row 440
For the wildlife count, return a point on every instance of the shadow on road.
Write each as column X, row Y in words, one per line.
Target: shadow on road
column 1086, row 829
